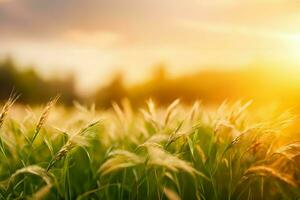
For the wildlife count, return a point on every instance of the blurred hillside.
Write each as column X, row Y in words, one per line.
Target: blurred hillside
column 211, row 86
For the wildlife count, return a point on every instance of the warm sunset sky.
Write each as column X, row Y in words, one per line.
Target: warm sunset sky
column 95, row 38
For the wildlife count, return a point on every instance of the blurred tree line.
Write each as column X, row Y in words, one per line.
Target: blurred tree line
column 31, row 86
column 210, row 86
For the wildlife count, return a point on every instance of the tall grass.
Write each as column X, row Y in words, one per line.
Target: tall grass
column 177, row 152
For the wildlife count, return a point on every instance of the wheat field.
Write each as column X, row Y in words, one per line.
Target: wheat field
column 154, row 152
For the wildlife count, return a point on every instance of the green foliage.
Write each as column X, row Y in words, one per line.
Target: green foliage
column 178, row 152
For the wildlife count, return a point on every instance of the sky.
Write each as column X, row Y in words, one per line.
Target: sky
column 94, row 39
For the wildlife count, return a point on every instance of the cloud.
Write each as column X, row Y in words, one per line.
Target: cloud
column 44, row 17
column 139, row 20
column 101, row 39
column 4, row 1
column 233, row 29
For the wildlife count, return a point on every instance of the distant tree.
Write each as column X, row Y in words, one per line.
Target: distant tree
column 160, row 72
column 7, row 77
column 115, row 91
column 31, row 86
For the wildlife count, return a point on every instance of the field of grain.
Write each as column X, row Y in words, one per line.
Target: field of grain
column 177, row 152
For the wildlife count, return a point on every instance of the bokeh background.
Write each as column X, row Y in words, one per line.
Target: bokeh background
column 104, row 51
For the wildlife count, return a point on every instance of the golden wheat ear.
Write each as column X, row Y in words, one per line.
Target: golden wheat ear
column 7, row 106
column 265, row 171
column 44, row 116
column 76, row 140
column 170, row 110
